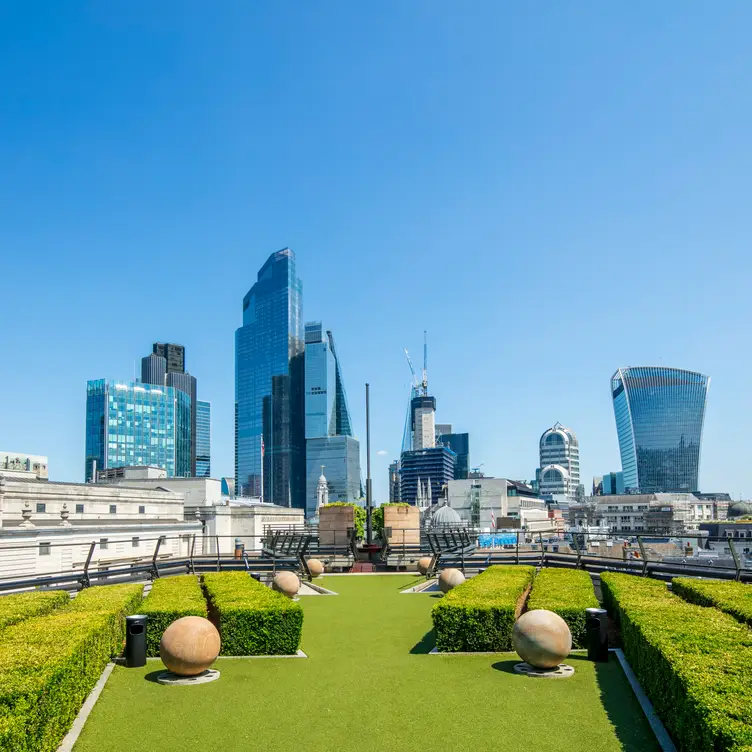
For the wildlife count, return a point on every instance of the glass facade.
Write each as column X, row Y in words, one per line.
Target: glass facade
column 131, row 424
column 435, row 464
column 269, row 418
column 340, row 456
column 328, row 430
column 659, row 416
column 459, row 443
column 203, row 439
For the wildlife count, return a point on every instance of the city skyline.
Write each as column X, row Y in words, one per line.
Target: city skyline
column 470, row 188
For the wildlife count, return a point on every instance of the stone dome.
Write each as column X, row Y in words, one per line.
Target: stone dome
column 445, row 515
column 740, row 509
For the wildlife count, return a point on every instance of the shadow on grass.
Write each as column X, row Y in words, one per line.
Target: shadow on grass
column 426, row 645
column 152, row 675
column 623, row 709
column 506, row 667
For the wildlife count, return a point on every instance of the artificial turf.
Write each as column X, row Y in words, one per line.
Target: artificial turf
column 369, row 684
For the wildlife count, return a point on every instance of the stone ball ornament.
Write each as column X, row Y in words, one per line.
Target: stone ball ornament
column 315, row 567
column 542, row 639
column 424, row 564
column 189, row 646
column 286, row 583
column 449, row 579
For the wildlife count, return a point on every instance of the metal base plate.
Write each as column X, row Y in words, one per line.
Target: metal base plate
column 561, row 671
column 167, row 677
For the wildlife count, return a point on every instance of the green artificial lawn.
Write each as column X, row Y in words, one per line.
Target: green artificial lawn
column 369, row 684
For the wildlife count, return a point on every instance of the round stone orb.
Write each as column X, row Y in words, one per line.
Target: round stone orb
column 286, row 583
column 542, row 638
column 450, row 578
column 189, row 645
column 424, row 564
column 315, row 567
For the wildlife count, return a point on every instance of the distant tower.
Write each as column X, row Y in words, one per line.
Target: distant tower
column 559, row 462
column 322, row 492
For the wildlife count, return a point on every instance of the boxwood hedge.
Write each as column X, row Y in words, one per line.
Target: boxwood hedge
column 170, row 599
column 566, row 592
column 253, row 619
column 694, row 663
column 735, row 598
column 478, row 616
column 51, row 663
column 20, row 606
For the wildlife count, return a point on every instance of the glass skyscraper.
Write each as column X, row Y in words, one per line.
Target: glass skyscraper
column 659, row 419
column 328, row 428
column 131, row 424
column 203, row 439
column 269, row 433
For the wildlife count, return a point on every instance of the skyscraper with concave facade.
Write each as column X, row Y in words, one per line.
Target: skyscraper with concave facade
column 659, row 415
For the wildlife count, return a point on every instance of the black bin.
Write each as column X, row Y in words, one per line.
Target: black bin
column 596, row 630
column 135, row 640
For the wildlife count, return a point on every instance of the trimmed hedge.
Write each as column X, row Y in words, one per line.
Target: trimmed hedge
column 478, row 616
column 20, row 606
column 735, row 598
column 694, row 663
column 566, row 592
column 51, row 663
column 170, row 599
column 253, row 619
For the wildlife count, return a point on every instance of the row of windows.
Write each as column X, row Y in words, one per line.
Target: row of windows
column 104, row 543
column 42, row 508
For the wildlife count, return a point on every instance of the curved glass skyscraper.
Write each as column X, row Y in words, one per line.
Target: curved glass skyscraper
column 269, row 439
column 659, row 417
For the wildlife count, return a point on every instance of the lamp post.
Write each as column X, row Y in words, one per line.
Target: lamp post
column 369, row 497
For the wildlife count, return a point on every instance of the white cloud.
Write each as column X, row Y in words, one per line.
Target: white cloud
column 382, row 451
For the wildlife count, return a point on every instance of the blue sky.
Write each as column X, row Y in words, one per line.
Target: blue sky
column 552, row 190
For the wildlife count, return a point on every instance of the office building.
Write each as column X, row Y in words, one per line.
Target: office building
column 165, row 366
column 559, row 463
column 484, row 503
column 425, row 473
column 203, row 439
column 608, row 484
column 423, row 411
column 459, row 443
column 328, row 428
column 340, row 458
column 394, row 482
column 659, row 416
column 269, row 400
column 137, row 424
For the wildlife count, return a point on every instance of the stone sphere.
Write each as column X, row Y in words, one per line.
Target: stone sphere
column 542, row 638
column 315, row 567
column 189, row 645
column 449, row 579
column 424, row 564
column 286, row 583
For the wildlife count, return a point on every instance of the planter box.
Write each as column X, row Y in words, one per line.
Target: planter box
column 334, row 524
column 403, row 525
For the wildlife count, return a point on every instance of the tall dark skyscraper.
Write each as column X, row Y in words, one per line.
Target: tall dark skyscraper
column 166, row 367
column 203, row 439
column 269, row 400
column 459, row 443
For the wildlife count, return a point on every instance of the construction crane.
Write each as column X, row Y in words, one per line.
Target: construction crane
column 425, row 364
column 415, row 383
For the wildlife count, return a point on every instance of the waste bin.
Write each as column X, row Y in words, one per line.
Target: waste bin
column 135, row 640
column 596, row 629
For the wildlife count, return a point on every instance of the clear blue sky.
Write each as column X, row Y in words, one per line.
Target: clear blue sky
column 552, row 190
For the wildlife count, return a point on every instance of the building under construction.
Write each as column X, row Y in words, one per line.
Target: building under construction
column 424, row 468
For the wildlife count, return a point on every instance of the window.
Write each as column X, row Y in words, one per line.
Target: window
column 113, row 508
column 44, row 549
column 41, row 508
column 142, row 510
column 103, row 543
column 134, row 542
column 79, row 508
